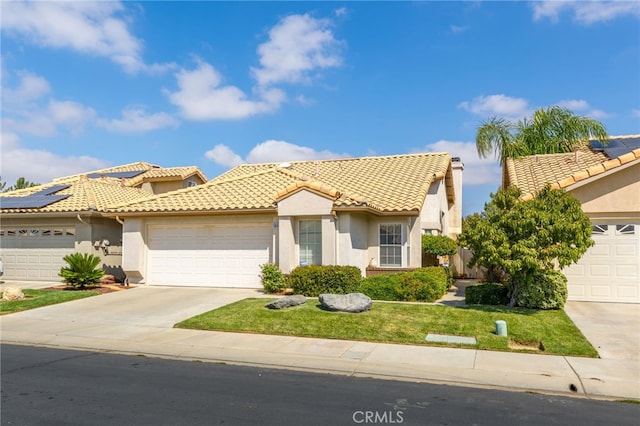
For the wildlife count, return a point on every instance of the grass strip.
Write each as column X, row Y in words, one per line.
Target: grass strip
column 403, row 323
column 37, row 298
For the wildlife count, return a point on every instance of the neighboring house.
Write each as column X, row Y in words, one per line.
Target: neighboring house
column 42, row 224
column 367, row 212
column 607, row 183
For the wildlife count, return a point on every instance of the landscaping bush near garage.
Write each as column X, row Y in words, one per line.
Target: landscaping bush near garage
column 273, row 280
column 487, row 294
column 421, row 285
column 543, row 290
column 313, row 280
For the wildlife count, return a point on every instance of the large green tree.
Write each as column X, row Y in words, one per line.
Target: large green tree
column 527, row 239
column 550, row 130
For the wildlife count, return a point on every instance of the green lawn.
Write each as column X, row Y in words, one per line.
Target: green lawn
column 402, row 323
column 38, row 298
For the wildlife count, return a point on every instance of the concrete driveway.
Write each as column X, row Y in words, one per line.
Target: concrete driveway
column 612, row 328
column 140, row 306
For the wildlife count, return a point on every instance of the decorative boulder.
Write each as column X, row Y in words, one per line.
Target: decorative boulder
column 12, row 293
column 352, row 302
column 287, row 302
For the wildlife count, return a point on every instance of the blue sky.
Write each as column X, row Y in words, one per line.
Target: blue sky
column 213, row 84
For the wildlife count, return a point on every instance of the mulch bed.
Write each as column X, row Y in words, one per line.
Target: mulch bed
column 101, row 288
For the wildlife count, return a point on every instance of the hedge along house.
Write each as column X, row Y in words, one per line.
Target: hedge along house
column 42, row 224
column 606, row 180
column 367, row 212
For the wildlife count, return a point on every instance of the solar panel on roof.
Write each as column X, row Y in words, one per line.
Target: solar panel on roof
column 117, row 175
column 36, row 200
column 617, row 146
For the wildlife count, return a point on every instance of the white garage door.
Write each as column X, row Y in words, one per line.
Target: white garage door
column 35, row 253
column 216, row 256
column 610, row 270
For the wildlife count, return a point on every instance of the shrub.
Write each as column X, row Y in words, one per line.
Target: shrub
column 544, row 290
column 422, row 285
column 381, row 287
column 82, row 270
column 313, row 280
column 436, row 245
column 273, row 280
column 487, row 294
column 439, row 245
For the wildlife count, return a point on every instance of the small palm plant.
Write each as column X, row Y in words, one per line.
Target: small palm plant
column 82, row 270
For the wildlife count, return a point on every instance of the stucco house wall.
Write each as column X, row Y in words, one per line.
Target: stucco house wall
column 614, row 196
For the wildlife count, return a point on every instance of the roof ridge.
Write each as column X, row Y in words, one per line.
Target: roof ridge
column 276, row 163
column 624, row 136
column 244, row 176
column 145, row 164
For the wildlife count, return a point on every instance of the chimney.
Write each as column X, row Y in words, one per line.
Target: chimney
column 456, row 218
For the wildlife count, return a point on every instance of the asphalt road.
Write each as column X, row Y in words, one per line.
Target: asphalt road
column 42, row 386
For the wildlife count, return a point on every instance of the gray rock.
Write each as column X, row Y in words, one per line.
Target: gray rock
column 287, row 302
column 352, row 302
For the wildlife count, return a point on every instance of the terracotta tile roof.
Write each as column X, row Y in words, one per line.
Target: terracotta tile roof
column 166, row 173
column 384, row 184
column 152, row 173
column 531, row 173
column 99, row 193
column 84, row 195
column 131, row 167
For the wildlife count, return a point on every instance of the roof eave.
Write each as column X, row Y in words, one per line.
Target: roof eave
column 190, row 212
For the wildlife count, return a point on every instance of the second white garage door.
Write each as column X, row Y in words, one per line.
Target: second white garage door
column 610, row 270
column 211, row 256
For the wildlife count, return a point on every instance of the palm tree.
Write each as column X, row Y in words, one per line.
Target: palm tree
column 551, row 130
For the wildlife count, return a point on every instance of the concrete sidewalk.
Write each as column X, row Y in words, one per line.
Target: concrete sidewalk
column 139, row 321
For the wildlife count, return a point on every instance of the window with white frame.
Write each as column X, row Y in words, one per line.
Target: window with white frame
column 390, row 244
column 310, row 241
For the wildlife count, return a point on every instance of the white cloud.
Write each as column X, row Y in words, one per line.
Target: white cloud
column 477, row 171
column 223, row 155
column 274, row 151
column 597, row 114
column 37, row 165
column 456, row 29
column 30, row 88
column 585, row 12
column 29, row 109
column 577, row 105
column 574, row 104
column 137, row 120
column 298, row 45
column 500, row 105
column 46, row 120
column 270, row 151
column 201, row 96
column 96, row 28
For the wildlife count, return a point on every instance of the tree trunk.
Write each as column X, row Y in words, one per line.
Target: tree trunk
column 514, row 293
